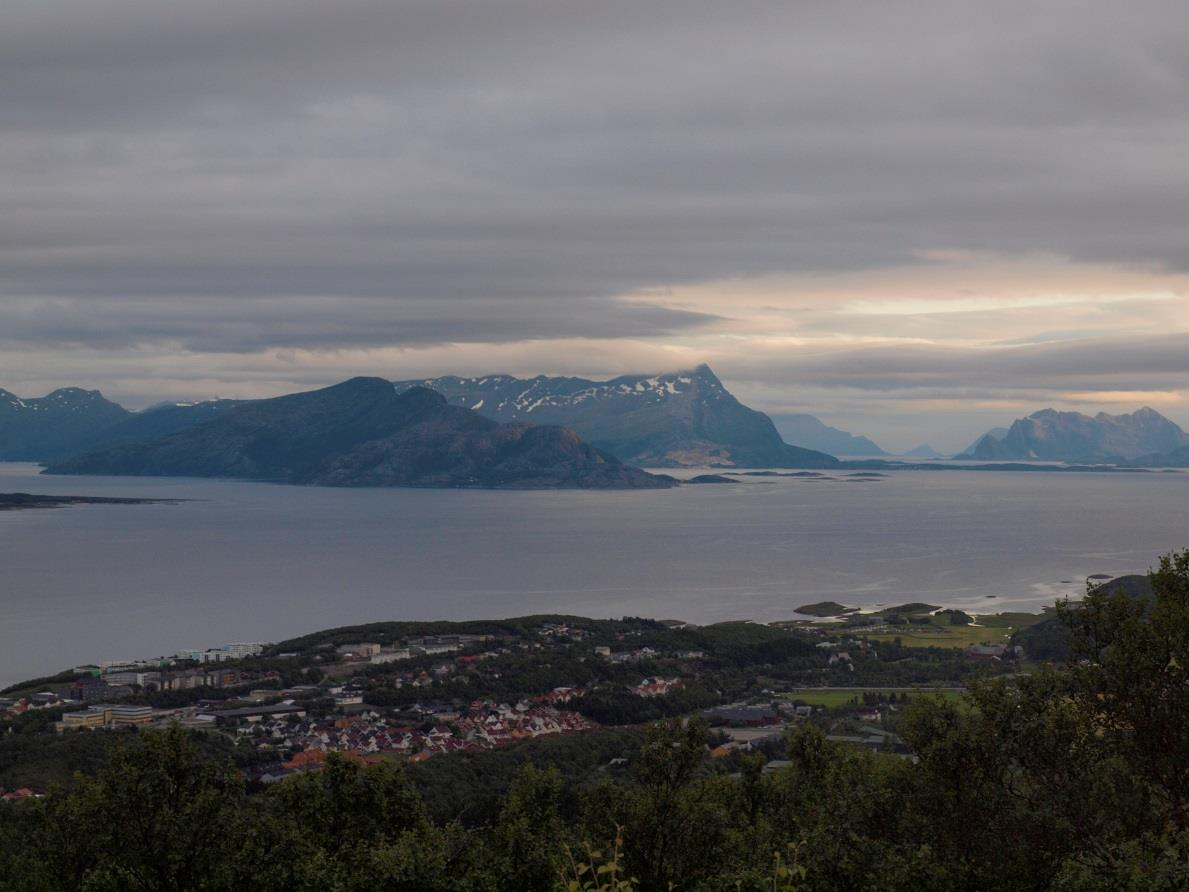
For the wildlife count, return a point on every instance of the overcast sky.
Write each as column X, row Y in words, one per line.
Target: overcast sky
column 915, row 221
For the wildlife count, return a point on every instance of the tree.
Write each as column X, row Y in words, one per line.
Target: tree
column 1132, row 679
column 159, row 818
column 528, row 833
column 357, row 827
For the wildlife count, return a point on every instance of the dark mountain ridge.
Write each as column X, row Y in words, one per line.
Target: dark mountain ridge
column 72, row 420
column 52, row 425
column 676, row 419
column 363, row 433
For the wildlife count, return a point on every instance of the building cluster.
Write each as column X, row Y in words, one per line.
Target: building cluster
column 481, row 725
column 427, row 677
column 656, row 687
column 119, row 685
column 864, row 735
column 235, row 651
column 563, row 631
column 994, row 652
column 627, row 656
column 107, row 715
column 19, row 794
column 11, row 707
column 116, row 680
column 426, row 645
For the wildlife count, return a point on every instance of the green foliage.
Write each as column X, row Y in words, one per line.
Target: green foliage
column 959, row 617
column 46, row 683
column 31, row 755
column 345, row 805
column 525, row 837
column 158, row 817
column 621, row 707
column 591, row 872
column 1047, row 640
column 470, row 787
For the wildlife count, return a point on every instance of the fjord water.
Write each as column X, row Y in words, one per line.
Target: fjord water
column 253, row 561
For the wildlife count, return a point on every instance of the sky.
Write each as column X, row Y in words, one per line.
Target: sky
column 913, row 220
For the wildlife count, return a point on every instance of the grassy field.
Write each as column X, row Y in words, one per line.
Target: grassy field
column 994, row 629
column 835, row 697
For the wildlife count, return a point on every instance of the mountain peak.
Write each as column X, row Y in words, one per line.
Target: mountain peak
column 74, row 395
column 1053, row 413
column 1144, row 413
column 359, row 382
column 681, row 418
column 420, row 395
column 36, row 428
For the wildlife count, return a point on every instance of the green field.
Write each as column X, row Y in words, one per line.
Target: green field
column 993, row 629
column 834, row 697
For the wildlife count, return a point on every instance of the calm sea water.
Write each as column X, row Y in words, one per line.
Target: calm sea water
column 248, row 561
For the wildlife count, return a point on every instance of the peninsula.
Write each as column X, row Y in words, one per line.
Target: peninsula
column 15, row 501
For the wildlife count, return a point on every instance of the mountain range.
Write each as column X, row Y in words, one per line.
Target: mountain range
column 1074, row 437
column 810, row 432
column 667, row 420
column 363, row 432
column 54, row 425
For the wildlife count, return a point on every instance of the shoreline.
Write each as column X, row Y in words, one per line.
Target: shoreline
column 61, row 676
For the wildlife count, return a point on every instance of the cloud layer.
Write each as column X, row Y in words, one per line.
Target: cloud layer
column 869, row 211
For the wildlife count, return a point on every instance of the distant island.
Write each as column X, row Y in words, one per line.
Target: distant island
column 673, row 419
column 778, row 474
column 1144, row 437
column 711, row 478
column 825, row 609
column 363, row 432
column 16, row 501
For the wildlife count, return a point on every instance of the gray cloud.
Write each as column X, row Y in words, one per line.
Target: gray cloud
column 290, row 173
column 1089, row 364
column 221, row 325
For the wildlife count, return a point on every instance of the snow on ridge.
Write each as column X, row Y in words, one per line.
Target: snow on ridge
column 513, row 397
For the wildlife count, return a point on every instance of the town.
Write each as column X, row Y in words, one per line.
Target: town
column 409, row 692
